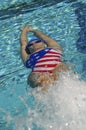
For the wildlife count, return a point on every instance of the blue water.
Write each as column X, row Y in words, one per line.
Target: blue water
column 64, row 21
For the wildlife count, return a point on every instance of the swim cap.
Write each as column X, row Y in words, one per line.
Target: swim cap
column 32, row 40
column 36, row 39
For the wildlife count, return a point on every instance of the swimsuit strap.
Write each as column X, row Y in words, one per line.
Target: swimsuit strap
column 32, row 60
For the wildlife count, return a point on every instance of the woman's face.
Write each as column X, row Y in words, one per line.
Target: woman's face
column 36, row 46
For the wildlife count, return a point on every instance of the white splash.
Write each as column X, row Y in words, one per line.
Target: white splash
column 64, row 104
column 62, row 107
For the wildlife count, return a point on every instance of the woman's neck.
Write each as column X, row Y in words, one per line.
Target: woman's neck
column 39, row 49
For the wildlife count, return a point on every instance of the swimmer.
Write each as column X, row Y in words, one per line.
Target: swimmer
column 43, row 55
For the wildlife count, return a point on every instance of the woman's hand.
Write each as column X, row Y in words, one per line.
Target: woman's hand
column 26, row 28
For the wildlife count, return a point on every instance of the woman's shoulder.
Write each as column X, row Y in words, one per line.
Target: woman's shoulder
column 56, row 49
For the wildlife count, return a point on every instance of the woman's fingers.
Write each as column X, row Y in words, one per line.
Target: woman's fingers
column 26, row 27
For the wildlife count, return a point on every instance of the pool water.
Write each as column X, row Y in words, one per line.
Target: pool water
column 63, row 107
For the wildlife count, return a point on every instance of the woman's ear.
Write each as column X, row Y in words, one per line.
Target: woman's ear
column 27, row 51
column 45, row 45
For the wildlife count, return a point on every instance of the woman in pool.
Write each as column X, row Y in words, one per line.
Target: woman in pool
column 43, row 55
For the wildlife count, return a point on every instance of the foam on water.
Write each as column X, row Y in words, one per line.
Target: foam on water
column 62, row 107
column 65, row 107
